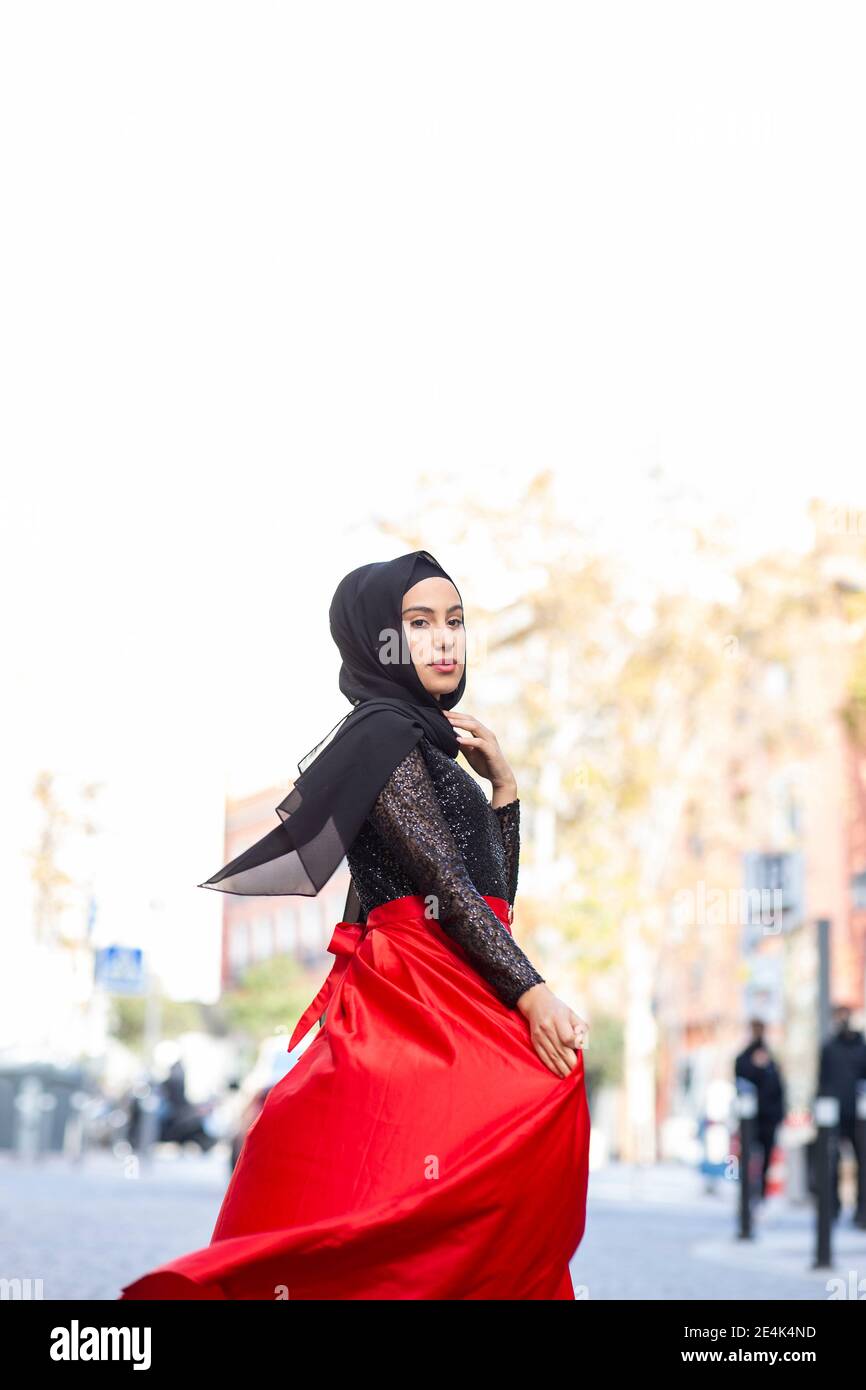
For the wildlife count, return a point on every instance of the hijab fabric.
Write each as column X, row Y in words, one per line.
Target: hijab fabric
column 341, row 778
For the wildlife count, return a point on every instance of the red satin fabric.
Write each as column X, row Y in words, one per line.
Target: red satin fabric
column 418, row 1149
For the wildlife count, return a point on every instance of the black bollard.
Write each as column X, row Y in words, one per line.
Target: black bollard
column 747, row 1110
column 860, row 1145
column 827, row 1122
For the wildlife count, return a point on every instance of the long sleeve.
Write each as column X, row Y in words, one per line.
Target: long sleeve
column 509, row 825
column 744, row 1067
column 409, row 817
column 824, row 1070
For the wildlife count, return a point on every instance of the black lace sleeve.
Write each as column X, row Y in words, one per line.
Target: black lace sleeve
column 509, row 824
column 409, row 817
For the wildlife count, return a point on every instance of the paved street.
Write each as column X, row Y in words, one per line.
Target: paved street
column 651, row 1233
column 87, row 1230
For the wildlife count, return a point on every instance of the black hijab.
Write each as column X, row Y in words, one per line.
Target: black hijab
column 325, row 809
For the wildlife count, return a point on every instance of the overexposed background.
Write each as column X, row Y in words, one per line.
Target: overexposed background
column 265, row 265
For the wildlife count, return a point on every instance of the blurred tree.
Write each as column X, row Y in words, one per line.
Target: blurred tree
column 56, row 891
column 127, row 1018
column 271, row 996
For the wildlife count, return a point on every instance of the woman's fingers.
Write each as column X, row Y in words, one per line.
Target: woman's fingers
column 545, row 1052
column 568, row 1056
column 566, row 1030
column 559, row 1058
column 580, row 1029
column 550, row 1058
column 556, row 1038
column 467, row 721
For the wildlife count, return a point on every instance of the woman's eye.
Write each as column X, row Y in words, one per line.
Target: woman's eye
column 413, row 621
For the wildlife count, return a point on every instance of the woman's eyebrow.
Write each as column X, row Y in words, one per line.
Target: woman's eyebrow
column 421, row 608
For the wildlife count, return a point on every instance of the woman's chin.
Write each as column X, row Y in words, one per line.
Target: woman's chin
column 443, row 686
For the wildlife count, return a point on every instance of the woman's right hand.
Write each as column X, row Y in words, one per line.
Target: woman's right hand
column 557, row 1032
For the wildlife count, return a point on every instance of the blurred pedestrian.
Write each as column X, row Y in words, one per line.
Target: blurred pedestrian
column 756, row 1064
column 181, row 1121
column 843, row 1064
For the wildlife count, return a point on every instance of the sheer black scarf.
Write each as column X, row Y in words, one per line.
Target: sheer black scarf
column 342, row 775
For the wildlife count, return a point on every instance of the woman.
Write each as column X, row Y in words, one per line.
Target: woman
column 432, row 1140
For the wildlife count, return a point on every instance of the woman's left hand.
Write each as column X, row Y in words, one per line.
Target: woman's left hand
column 482, row 750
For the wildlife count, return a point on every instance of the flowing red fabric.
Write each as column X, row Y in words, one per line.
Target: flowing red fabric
column 418, row 1149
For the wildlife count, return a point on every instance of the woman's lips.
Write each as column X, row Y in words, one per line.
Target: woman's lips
column 443, row 665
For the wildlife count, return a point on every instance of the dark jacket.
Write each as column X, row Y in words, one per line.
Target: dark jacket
column 767, row 1080
column 843, row 1064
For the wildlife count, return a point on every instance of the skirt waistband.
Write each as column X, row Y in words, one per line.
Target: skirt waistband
column 346, row 937
column 414, row 908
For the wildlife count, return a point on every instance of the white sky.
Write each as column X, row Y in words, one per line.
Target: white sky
column 264, row 263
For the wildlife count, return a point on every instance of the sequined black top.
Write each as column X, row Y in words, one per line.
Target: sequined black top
column 432, row 831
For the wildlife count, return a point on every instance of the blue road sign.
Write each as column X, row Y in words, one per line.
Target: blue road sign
column 120, row 969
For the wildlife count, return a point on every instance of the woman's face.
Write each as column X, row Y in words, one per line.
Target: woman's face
column 433, row 624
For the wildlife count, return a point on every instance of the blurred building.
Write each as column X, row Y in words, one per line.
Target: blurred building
column 785, row 784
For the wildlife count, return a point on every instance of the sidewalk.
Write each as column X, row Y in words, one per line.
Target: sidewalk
column 654, row 1233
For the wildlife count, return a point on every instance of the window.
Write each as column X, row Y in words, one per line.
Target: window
column 239, row 947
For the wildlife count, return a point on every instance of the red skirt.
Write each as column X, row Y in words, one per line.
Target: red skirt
column 418, row 1149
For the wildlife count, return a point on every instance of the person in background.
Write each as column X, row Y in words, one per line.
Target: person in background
column 755, row 1064
column 843, row 1065
column 180, row 1120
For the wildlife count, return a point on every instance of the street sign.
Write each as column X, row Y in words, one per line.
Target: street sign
column 120, row 969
